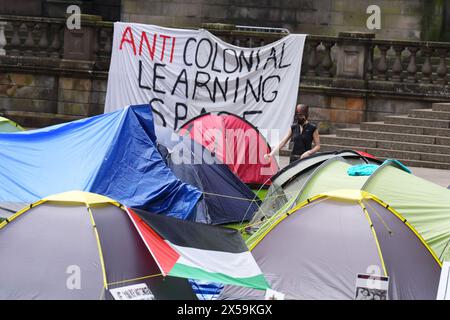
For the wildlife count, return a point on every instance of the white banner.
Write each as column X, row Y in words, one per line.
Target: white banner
column 183, row 73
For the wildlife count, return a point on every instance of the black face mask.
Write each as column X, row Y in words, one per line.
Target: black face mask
column 301, row 120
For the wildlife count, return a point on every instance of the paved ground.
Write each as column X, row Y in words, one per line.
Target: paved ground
column 440, row 177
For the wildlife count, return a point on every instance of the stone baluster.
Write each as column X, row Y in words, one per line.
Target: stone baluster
column 15, row 39
column 327, row 63
column 441, row 70
column 427, row 68
column 29, row 42
column 43, row 41
column 2, row 38
column 55, row 46
column 412, row 65
column 382, row 66
column 397, row 66
column 262, row 43
column 251, row 43
column 369, row 65
column 312, row 59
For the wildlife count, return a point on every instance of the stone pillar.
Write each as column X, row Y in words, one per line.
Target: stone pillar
column 79, row 44
column 75, row 95
column 354, row 68
column 353, row 54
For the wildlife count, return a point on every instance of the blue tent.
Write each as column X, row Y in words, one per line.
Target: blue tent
column 226, row 198
column 112, row 154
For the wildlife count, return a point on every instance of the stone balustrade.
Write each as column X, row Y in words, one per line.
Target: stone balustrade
column 383, row 60
column 324, row 56
column 30, row 36
column 411, row 62
column 350, row 78
column 44, row 39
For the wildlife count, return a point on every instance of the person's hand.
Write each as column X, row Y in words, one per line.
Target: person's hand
column 305, row 154
column 267, row 156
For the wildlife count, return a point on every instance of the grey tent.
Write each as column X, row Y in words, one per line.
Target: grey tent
column 316, row 250
column 47, row 246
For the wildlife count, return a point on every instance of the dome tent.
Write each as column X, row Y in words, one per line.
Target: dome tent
column 225, row 199
column 287, row 183
column 317, row 249
column 85, row 230
column 114, row 247
column 235, row 142
column 424, row 204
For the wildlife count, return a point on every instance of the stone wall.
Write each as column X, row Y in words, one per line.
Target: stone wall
column 81, row 96
column 51, row 74
column 342, row 79
column 109, row 10
column 400, row 19
column 29, row 97
column 28, row 92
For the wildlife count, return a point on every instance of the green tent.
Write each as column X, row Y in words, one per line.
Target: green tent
column 7, row 125
column 287, row 182
column 335, row 172
column 425, row 205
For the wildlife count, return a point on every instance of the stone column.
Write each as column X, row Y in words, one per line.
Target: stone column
column 353, row 70
column 353, row 54
column 80, row 45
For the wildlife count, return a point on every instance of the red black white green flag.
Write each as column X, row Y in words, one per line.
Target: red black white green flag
column 198, row 251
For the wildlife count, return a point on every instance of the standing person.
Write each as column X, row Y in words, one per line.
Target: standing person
column 303, row 134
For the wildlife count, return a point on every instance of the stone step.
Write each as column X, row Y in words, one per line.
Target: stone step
column 332, row 139
column 387, row 127
column 441, row 106
column 384, row 144
column 420, row 122
column 415, row 159
column 392, row 136
column 37, row 119
column 429, row 114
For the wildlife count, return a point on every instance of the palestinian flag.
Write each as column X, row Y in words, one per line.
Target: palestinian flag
column 198, row 251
